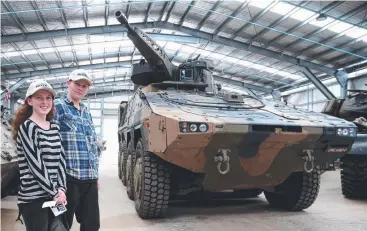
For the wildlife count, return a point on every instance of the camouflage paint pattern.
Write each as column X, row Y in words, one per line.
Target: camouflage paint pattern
column 262, row 154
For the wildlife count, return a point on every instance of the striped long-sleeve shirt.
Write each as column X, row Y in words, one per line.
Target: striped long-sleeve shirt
column 41, row 162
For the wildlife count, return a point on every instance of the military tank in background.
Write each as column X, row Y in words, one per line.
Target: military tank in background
column 9, row 158
column 179, row 134
column 353, row 165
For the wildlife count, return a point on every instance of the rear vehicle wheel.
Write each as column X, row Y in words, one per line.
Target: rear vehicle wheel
column 354, row 176
column 122, row 162
column 130, row 170
column 298, row 192
column 121, row 154
column 152, row 184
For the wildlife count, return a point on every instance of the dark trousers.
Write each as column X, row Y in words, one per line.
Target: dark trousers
column 83, row 202
column 37, row 218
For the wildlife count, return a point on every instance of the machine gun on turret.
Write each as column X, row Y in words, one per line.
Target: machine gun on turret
column 157, row 68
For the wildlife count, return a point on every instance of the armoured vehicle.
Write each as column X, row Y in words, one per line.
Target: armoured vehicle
column 178, row 134
column 9, row 159
column 354, row 164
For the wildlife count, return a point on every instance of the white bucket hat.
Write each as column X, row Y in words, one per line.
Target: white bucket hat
column 79, row 74
column 39, row 85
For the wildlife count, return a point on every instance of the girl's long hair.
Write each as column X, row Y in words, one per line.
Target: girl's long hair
column 23, row 113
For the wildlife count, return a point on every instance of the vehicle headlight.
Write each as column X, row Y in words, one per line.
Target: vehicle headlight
column 203, row 127
column 193, row 127
column 346, row 132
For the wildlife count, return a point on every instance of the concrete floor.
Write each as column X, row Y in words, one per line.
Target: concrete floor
column 330, row 211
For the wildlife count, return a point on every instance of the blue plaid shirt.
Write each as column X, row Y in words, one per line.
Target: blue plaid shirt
column 79, row 139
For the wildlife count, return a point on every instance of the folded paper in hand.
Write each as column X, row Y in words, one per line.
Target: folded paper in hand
column 56, row 209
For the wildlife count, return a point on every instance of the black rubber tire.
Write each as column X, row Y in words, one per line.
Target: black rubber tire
column 119, row 161
column 130, row 162
column 299, row 191
column 353, row 171
column 152, row 184
column 122, row 162
column 247, row 193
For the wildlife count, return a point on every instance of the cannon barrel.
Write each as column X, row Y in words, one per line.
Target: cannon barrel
column 159, row 67
column 123, row 20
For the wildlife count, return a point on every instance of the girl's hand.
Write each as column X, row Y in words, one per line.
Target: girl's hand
column 61, row 198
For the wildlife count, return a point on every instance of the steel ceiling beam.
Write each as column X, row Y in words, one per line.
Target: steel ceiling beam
column 319, row 85
column 57, row 86
column 14, row 87
column 27, row 75
column 31, row 74
column 242, row 84
column 200, row 36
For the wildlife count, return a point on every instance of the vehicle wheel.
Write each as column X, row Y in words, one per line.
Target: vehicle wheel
column 247, row 193
column 152, row 184
column 119, row 170
column 119, row 163
column 298, row 192
column 129, row 171
column 122, row 163
column 354, row 176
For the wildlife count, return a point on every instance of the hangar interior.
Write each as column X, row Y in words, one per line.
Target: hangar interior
column 261, row 45
column 309, row 52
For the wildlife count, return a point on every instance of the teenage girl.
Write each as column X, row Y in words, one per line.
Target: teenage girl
column 41, row 157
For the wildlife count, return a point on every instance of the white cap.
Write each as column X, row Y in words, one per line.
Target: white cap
column 39, row 85
column 80, row 74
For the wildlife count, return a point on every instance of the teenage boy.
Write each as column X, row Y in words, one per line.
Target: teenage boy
column 82, row 152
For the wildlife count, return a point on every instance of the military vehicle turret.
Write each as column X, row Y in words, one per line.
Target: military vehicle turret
column 179, row 135
column 354, row 164
column 9, row 157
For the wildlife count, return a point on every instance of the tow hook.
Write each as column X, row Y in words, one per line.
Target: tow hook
column 309, row 161
column 222, row 158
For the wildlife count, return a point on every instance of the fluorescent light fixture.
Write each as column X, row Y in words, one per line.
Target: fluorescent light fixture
column 321, row 17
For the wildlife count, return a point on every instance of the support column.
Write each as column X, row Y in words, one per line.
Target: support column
column 102, row 118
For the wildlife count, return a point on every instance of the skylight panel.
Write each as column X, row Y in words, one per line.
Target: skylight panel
column 282, row 8
column 364, row 39
column 188, row 49
column 356, row 32
column 12, row 54
column 84, row 62
column 205, row 53
column 220, row 57
column 269, row 69
column 260, row 4
column 340, row 27
column 111, row 59
column 173, row 46
column 29, row 52
column 228, row 59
